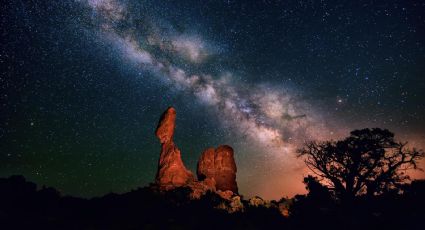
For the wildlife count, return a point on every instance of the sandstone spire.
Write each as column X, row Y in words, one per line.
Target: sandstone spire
column 171, row 170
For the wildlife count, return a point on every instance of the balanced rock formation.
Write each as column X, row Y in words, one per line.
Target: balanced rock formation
column 171, row 170
column 217, row 166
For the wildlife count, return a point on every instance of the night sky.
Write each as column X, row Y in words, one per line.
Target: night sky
column 84, row 82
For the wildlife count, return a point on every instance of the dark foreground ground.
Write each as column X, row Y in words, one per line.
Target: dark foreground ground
column 23, row 206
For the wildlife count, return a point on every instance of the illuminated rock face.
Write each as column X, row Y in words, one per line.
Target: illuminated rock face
column 166, row 126
column 171, row 170
column 218, row 165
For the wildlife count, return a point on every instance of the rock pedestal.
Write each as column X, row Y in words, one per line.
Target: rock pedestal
column 171, row 170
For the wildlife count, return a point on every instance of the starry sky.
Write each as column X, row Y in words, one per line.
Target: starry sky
column 84, row 82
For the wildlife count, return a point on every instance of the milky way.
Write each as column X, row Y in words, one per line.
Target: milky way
column 265, row 120
column 268, row 114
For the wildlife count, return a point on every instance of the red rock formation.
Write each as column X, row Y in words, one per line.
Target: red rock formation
column 218, row 165
column 171, row 170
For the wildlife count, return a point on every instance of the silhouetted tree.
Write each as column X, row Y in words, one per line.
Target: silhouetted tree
column 316, row 190
column 368, row 161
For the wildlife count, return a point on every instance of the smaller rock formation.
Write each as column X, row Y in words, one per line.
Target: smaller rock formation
column 217, row 166
column 227, row 195
column 256, row 201
column 198, row 189
column 232, row 205
column 284, row 206
column 236, row 204
column 171, row 170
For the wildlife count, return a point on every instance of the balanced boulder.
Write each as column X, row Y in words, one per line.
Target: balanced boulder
column 171, row 170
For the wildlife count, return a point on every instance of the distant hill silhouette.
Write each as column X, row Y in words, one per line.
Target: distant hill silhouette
column 23, row 206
